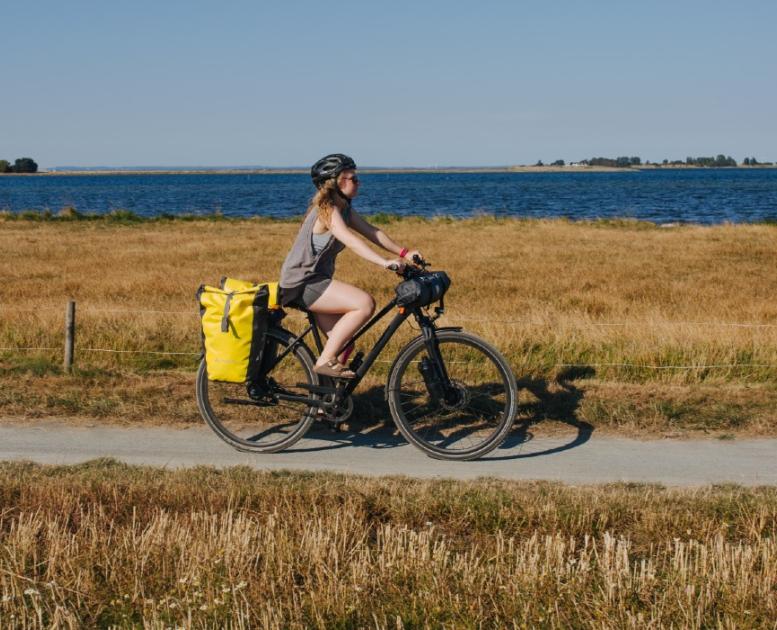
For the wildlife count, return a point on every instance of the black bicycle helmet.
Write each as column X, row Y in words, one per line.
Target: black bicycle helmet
column 329, row 167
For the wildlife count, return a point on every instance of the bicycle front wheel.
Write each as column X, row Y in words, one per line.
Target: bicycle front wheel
column 476, row 415
column 262, row 425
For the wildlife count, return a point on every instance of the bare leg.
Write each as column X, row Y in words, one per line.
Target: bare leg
column 340, row 311
column 326, row 322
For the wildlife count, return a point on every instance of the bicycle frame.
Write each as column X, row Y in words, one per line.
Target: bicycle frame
column 395, row 323
column 345, row 388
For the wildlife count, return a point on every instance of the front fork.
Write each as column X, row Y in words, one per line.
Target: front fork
column 432, row 367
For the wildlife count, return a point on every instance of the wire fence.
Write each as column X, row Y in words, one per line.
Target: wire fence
column 521, row 321
column 515, row 322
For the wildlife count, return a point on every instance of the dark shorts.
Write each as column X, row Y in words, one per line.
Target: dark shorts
column 305, row 295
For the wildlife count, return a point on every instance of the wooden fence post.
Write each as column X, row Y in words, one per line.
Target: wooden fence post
column 70, row 335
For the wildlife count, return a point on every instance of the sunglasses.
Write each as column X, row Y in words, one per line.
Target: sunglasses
column 354, row 179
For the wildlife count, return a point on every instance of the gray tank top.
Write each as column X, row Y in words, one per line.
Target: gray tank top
column 311, row 255
column 320, row 241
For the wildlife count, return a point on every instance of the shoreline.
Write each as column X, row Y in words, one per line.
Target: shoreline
column 378, row 171
column 123, row 216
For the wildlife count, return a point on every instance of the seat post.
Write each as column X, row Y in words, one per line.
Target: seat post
column 316, row 334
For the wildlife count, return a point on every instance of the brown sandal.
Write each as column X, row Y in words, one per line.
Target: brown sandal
column 334, row 369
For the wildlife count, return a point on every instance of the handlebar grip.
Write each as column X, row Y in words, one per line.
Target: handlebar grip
column 419, row 261
column 393, row 267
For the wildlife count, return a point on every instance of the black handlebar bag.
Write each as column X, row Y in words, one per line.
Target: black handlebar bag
column 425, row 288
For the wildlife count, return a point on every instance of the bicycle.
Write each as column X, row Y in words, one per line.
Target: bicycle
column 458, row 401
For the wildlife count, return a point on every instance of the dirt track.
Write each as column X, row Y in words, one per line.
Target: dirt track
column 575, row 457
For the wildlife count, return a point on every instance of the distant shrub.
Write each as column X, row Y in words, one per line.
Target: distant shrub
column 123, row 216
column 31, row 215
column 69, row 213
column 382, row 218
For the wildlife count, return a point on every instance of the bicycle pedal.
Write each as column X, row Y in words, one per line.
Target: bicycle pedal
column 317, row 389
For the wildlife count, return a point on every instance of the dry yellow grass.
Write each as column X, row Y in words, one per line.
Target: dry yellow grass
column 108, row 545
column 630, row 300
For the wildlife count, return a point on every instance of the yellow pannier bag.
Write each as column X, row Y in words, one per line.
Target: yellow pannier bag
column 233, row 284
column 234, row 322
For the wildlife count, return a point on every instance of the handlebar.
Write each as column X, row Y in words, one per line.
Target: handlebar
column 410, row 271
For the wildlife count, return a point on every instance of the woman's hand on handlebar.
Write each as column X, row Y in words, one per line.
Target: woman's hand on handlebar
column 414, row 255
column 398, row 265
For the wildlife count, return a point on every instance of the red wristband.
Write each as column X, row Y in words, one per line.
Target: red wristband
column 403, row 252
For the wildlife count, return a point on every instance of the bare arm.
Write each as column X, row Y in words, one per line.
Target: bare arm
column 379, row 237
column 371, row 233
column 343, row 234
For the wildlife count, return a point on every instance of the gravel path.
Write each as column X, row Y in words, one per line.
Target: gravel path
column 572, row 457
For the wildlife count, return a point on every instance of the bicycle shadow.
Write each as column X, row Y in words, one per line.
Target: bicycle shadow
column 371, row 424
column 556, row 401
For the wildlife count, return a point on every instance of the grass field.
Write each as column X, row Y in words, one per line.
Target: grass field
column 108, row 545
column 622, row 325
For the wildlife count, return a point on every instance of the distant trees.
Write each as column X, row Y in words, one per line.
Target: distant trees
column 620, row 162
column 21, row 165
column 623, row 161
column 25, row 165
column 626, row 162
column 719, row 160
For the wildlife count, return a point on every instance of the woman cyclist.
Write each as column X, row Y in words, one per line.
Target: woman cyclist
column 307, row 274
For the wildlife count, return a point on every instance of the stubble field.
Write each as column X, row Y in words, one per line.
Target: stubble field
column 622, row 325
column 108, row 545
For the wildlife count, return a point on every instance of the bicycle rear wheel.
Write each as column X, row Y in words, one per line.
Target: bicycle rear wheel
column 262, row 426
column 477, row 415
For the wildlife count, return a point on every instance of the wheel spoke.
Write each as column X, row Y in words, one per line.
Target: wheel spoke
column 269, row 427
column 462, row 424
column 417, row 408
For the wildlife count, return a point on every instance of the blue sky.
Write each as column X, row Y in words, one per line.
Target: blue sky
column 394, row 83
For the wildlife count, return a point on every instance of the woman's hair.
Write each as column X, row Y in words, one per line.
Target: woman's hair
column 326, row 199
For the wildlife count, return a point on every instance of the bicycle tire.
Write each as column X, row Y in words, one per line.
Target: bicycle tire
column 446, row 431
column 261, row 429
